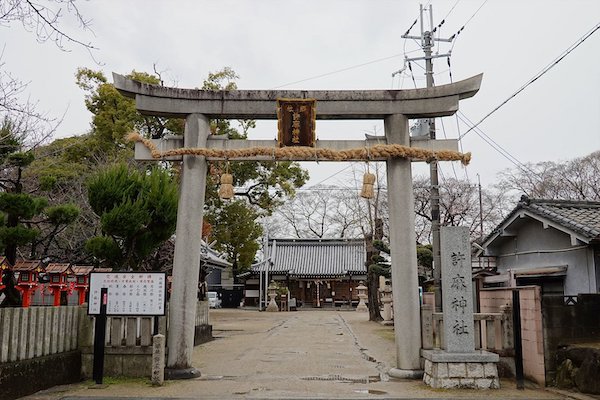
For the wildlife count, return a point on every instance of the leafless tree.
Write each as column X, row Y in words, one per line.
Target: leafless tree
column 322, row 212
column 459, row 205
column 47, row 20
column 576, row 179
column 44, row 17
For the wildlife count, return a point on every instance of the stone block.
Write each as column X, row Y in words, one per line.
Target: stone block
column 427, row 379
column 113, row 365
column 475, row 370
column 87, row 366
column 476, row 356
column 457, row 370
column 448, row 383
column 483, row 383
column 490, row 370
column 428, row 367
column 467, row 383
column 442, row 370
column 137, row 366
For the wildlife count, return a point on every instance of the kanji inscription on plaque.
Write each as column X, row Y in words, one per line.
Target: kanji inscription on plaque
column 129, row 293
column 296, row 122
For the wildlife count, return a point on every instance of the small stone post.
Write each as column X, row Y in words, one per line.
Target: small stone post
column 427, row 326
column 362, row 296
column 272, row 291
column 386, row 299
column 158, row 360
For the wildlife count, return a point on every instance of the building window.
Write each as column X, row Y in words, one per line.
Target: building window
column 24, row 276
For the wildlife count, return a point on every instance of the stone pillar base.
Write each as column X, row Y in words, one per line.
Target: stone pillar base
column 477, row 370
column 272, row 307
column 362, row 308
column 183, row 373
column 405, row 373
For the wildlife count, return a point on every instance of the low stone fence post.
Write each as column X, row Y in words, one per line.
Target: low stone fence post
column 427, row 326
column 507, row 329
column 158, row 360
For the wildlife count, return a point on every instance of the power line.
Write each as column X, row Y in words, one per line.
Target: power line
column 538, row 75
column 438, row 28
column 447, row 15
column 503, row 152
column 489, row 140
column 332, row 175
column 340, row 70
column 465, row 24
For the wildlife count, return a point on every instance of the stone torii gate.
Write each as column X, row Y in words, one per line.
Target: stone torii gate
column 395, row 107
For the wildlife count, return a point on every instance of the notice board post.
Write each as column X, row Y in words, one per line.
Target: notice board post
column 123, row 294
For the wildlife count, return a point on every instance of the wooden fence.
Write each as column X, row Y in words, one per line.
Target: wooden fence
column 27, row 333
column 493, row 331
column 32, row 332
column 128, row 350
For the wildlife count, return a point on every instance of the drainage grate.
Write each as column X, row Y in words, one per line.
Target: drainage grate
column 340, row 378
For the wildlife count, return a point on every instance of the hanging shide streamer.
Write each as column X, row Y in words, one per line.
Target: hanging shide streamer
column 367, row 187
column 226, row 188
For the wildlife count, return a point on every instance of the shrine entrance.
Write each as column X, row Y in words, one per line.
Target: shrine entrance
column 197, row 147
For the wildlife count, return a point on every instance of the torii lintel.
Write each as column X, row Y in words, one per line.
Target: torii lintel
column 438, row 101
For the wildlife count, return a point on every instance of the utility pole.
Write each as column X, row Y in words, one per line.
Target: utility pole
column 427, row 43
column 480, row 215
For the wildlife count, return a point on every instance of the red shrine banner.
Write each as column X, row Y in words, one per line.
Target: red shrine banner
column 296, row 122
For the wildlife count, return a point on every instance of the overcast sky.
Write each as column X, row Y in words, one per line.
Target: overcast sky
column 346, row 44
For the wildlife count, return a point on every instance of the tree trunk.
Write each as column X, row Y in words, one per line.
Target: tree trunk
column 373, row 287
column 234, row 271
column 372, row 281
column 12, row 295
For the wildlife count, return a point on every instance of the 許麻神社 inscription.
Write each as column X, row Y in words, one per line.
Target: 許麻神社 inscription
column 457, row 290
column 296, row 122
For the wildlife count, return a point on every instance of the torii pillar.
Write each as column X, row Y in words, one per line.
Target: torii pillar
column 395, row 107
column 186, row 262
column 403, row 253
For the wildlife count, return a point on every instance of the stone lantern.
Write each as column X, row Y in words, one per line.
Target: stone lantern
column 362, row 296
column 272, row 292
column 386, row 299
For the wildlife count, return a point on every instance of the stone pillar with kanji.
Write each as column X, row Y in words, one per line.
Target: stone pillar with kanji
column 459, row 365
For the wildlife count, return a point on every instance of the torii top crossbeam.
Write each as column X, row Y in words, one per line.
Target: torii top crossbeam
column 157, row 100
column 438, row 101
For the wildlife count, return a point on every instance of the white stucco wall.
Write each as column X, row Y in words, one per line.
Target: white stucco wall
column 534, row 246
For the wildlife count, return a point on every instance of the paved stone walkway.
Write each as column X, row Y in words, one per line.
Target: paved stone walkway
column 296, row 355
